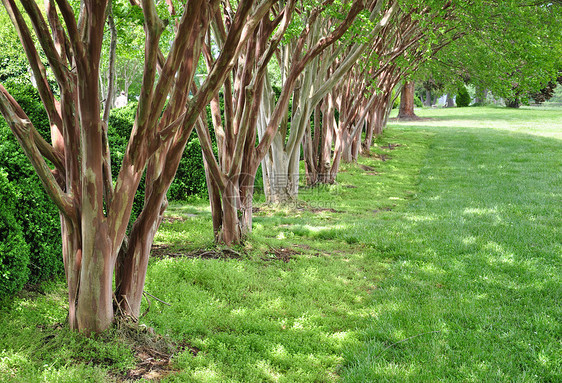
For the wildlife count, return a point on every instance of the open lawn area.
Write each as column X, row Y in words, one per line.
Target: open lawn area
column 437, row 258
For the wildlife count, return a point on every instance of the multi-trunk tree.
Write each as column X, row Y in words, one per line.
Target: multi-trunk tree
column 249, row 109
column 363, row 99
column 318, row 80
column 74, row 167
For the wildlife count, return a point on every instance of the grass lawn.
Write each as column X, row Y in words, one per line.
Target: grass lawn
column 439, row 259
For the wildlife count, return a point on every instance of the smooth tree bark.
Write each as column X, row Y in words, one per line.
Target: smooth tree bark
column 406, row 110
column 95, row 210
column 450, row 101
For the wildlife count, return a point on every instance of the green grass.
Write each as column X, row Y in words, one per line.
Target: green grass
column 480, row 257
column 442, row 263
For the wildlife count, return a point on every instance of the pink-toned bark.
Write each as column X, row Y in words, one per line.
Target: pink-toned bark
column 95, row 213
column 232, row 174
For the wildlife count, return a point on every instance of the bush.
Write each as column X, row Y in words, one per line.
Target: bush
column 463, row 98
column 33, row 210
column 14, row 252
column 190, row 177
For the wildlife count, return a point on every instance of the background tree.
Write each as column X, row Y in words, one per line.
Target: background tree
column 232, row 175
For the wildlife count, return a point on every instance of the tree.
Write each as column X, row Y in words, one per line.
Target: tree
column 74, row 168
column 248, row 111
column 521, row 59
column 315, row 95
column 406, row 109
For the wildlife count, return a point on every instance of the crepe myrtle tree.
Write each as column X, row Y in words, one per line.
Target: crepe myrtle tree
column 364, row 97
column 74, row 167
column 281, row 164
column 248, row 112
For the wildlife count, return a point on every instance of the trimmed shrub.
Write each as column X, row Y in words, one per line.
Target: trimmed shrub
column 33, row 210
column 14, row 252
column 463, row 98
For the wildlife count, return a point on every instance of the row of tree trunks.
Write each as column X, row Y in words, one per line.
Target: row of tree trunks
column 250, row 111
column 95, row 211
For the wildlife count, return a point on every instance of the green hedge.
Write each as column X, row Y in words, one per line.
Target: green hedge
column 33, row 210
column 190, row 177
column 14, row 252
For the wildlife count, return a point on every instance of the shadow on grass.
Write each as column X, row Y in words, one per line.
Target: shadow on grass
column 478, row 260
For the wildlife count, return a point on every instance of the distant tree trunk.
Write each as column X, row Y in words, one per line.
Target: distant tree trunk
column 513, row 103
column 406, row 111
column 450, row 101
column 477, row 93
column 427, row 101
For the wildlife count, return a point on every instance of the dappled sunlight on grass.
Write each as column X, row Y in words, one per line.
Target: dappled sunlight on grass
column 488, row 266
column 543, row 122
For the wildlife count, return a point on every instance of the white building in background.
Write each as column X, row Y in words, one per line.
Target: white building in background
column 121, row 100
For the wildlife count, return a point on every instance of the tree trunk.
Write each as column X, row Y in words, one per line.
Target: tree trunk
column 231, row 231
column 427, row 101
column 406, row 111
column 513, row 103
column 450, row 101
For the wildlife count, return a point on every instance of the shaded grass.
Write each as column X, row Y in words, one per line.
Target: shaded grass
column 37, row 346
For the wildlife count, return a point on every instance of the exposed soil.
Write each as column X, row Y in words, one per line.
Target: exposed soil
column 382, row 157
column 165, row 251
column 366, row 168
column 153, row 352
column 280, row 254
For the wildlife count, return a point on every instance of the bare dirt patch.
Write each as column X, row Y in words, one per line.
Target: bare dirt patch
column 165, row 251
column 280, row 254
column 382, row 157
column 366, row 168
